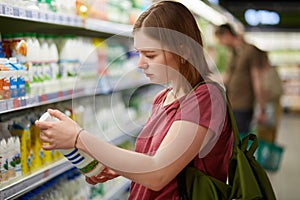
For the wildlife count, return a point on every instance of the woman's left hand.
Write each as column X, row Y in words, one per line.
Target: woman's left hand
column 106, row 175
column 60, row 134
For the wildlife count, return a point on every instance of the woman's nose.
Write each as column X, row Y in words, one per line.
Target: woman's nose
column 141, row 63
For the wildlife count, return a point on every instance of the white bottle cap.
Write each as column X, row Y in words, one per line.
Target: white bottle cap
column 47, row 117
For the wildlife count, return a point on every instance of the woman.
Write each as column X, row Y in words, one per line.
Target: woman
column 188, row 123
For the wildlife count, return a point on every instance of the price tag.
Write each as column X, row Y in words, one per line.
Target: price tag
column 46, row 173
column 42, row 16
column 3, row 105
column 32, row 100
column 16, row 103
column 43, row 98
column 55, row 18
column 2, row 9
column 16, row 11
column 68, row 20
column 46, row 16
column 28, row 14
column 60, row 19
column 10, row 104
column 8, row 10
column 22, row 13
column 60, row 94
column 35, row 14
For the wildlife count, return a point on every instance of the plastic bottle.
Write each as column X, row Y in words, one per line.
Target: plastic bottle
column 36, row 70
column 85, row 163
column 3, row 159
column 53, row 71
column 21, row 129
column 27, row 62
column 11, row 171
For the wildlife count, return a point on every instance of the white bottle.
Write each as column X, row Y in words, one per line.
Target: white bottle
column 85, row 163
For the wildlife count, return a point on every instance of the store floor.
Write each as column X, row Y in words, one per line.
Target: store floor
column 286, row 180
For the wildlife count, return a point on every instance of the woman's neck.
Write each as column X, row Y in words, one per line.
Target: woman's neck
column 180, row 89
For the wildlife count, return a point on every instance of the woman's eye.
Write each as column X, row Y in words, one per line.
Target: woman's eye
column 150, row 55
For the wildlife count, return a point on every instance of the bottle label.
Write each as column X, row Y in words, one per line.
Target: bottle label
column 89, row 167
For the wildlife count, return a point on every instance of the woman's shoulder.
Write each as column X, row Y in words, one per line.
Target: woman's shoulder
column 209, row 88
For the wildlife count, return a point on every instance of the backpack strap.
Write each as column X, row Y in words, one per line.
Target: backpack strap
column 237, row 142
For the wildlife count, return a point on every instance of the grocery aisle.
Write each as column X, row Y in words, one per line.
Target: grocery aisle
column 287, row 179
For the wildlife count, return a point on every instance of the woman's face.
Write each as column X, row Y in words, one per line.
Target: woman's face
column 159, row 65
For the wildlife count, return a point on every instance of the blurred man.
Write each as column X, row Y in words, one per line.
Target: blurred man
column 243, row 77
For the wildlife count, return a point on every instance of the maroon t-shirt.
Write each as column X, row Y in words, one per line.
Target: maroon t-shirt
column 204, row 106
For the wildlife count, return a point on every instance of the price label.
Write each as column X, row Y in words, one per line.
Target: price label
column 47, row 17
column 8, row 10
column 22, row 13
column 28, row 14
column 68, row 20
column 46, row 173
column 55, row 18
column 43, row 98
column 42, row 16
column 10, row 104
column 60, row 94
column 16, row 11
column 16, row 103
column 3, row 105
column 2, row 9
column 35, row 14
column 60, row 19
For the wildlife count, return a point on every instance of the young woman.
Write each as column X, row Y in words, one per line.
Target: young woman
column 188, row 123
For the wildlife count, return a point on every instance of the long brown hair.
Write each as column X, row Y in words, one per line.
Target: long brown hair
column 176, row 27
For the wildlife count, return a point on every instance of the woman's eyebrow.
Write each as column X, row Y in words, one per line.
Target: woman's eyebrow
column 146, row 50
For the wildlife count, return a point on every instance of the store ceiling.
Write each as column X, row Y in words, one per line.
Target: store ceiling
column 265, row 15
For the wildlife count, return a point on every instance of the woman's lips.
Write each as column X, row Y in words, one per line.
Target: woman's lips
column 148, row 75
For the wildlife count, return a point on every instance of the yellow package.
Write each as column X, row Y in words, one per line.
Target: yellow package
column 36, row 146
column 21, row 129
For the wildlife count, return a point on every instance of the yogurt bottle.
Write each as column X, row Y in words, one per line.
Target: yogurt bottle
column 84, row 162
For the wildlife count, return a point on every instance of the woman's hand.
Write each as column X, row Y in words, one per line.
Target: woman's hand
column 105, row 175
column 58, row 135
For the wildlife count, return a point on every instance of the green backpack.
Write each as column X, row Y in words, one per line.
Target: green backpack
column 247, row 180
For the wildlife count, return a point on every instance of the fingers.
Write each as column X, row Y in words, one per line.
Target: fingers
column 56, row 113
column 95, row 179
column 43, row 125
column 105, row 175
column 47, row 142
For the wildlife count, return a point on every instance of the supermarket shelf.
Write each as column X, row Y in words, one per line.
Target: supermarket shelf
column 21, row 103
column 16, row 19
column 17, row 104
column 20, row 186
column 23, row 185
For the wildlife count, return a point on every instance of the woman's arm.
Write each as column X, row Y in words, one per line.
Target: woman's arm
column 181, row 144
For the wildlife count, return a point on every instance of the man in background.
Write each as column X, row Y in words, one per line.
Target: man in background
column 243, row 77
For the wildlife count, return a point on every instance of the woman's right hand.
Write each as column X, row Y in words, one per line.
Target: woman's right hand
column 106, row 175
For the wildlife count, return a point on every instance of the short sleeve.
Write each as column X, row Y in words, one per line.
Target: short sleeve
column 206, row 107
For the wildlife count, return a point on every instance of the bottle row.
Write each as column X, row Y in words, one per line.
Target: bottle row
column 21, row 148
column 35, row 64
